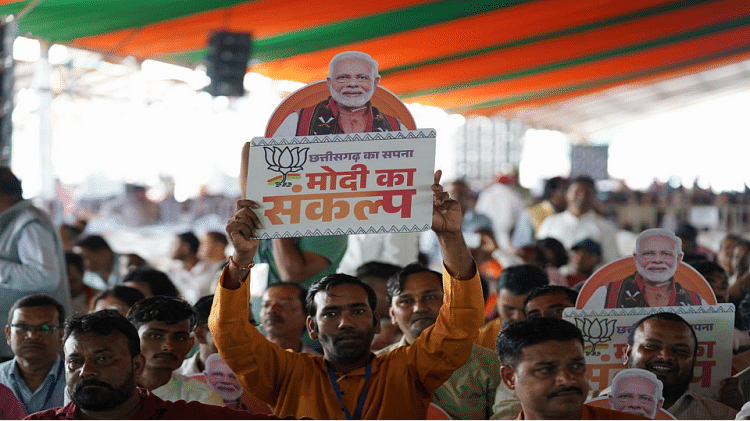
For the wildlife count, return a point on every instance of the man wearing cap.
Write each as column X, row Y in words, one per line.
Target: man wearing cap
column 585, row 258
column 658, row 254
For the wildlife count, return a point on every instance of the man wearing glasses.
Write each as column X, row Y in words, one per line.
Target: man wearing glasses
column 34, row 333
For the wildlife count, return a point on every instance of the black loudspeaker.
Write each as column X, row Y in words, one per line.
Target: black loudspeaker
column 8, row 33
column 226, row 62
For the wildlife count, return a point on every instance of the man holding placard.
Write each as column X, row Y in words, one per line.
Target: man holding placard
column 349, row 378
column 666, row 345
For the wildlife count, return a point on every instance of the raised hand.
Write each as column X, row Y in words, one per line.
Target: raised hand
column 243, row 234
column 446, row 212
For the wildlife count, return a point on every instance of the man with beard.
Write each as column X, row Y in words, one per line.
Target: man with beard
column 416, row 295
column 666, row 345
column 658, row 254
column 34, row 333
column 102, row 362
column 352, row 80
column 164, row 325
column 349, row 380
column 542, row 361
column 283, row 316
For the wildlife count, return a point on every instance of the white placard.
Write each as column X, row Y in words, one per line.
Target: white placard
column 343, row 184
column 605, row 334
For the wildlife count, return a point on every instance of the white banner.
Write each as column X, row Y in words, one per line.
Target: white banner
column 605, row 334
column 343, row 184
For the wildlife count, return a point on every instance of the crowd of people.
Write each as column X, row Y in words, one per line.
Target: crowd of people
column 463, row 322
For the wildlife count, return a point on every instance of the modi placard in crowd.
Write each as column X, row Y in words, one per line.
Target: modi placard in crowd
column 343, row 183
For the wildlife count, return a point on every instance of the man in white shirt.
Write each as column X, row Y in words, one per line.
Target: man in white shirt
column 580, row 221
column 164, row 325
column 193, row 276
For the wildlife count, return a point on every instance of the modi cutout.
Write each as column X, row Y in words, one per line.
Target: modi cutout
column 352, row 80
column 657, row 256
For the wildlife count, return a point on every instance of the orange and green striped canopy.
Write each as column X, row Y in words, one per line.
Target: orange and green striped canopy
column 475, row 57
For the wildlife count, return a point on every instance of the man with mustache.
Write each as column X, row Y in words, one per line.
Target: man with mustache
column 34, row 333
column 665, row 344
column 416, row 295
column 657, row 255
column 349, row 380
column 102, row 363
column 542, row 362
column 283, row 316
column 352, row 80
column 636, row 391
column 164, row 325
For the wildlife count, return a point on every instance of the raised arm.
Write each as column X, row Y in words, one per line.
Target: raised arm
column 446, row 222
column 243, row 234
column 295, row 265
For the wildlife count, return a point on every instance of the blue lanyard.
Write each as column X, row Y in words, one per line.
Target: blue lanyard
column 362, row 396
column 50, row 392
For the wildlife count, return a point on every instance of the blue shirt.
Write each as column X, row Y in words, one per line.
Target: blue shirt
column 49, row 394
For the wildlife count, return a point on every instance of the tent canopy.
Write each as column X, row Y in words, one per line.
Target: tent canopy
column 553, row 63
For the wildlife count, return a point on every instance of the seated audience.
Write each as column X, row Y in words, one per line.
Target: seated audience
column 34, row 333
column 165, row 325
column 213, row 247
column 197, row 363
column 724, row 256
column 542, row 361
column 81, row 295
column 102, row 264
column 376, row 275
column 283, row 316
column 585, row 259
column 693, row 251
column 416, row 295
column 151, row 283
column 549, row 301
column 118, row 297
column 716, row 277
column 69, row 234
column 739, row 282
column 543, row 301
column 533, row 254
column 512, row 286
column 400, row 385
column 557, row 257
column 102, row 361
column 553, row 201
column 193, row 276
column 581, row 220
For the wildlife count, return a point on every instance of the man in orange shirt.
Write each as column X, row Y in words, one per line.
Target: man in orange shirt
column 349, row 380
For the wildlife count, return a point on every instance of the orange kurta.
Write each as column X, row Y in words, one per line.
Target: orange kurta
column 402, row 382
column 488, row 333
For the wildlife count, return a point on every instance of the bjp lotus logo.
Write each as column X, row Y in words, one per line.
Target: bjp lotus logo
column 285, row 161
column 596, row 332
